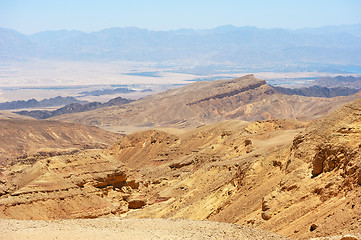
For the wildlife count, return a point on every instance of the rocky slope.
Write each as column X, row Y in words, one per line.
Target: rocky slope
column 20, row 138
column 74, row 182
column 307, row 188
column 297, row 179
column 77, row 185
column 244, row 98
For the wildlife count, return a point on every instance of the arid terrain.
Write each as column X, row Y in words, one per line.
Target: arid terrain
column 250, row 160
column 142, row 229
column 247, row 98
column 25, row 137
column 50, row 78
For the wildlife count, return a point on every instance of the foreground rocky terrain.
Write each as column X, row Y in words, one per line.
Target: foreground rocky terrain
column 298, row 179
column 274, row 175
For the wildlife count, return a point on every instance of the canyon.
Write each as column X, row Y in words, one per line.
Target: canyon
column 227, row 152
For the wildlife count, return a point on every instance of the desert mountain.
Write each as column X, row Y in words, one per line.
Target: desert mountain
column 339, row 81
column 318, row 91
column 297, row 179
column 73, row 108
column 244, row 98
column 236, row 45
column 33, row 103
column 21, row 138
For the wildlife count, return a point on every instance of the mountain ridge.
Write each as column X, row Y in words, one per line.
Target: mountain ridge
column 244, row 98
column 240, row 45
column 73, row 108
column 33, row 103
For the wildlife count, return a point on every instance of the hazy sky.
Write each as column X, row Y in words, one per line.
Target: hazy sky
column 30, row 16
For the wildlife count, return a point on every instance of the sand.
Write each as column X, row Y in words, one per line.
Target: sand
column 115, row 228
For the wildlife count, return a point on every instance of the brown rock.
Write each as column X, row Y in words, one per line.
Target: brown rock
column 136, row 204
column 348, row 237
column 266, row 216
column 247, row 142
column 313, row 227
column 133, row 184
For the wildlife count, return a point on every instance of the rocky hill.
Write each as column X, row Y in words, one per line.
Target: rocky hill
column 33, row 103
column 244, row 98
column 318, row 91
column 298, row 179
column 22, row 138
column 73, row 108
column 339, row 81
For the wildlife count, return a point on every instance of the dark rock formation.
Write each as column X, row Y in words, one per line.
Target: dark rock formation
column 318, row 91
column 74, row 108
column 32, row 103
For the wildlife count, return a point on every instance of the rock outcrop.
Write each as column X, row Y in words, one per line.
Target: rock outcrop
column 322, row 174
column 86, row 184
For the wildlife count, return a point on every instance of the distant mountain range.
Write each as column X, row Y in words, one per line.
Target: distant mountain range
column 33, row 103
column 225, row 44
column 74, row 108
column 339, row 82
column 106, row 91
column 320, row 91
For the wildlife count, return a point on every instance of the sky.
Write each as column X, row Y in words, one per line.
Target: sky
column 31, row 16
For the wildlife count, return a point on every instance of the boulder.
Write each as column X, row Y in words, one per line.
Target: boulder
column 136, row 203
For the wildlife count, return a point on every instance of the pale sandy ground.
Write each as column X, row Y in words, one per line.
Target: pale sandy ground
column 96, row 75
column 115, row 228
column 75, row 73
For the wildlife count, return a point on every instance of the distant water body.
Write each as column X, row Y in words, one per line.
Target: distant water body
column 352, row 69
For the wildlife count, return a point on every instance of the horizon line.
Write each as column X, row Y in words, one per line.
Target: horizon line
column 179, row 29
